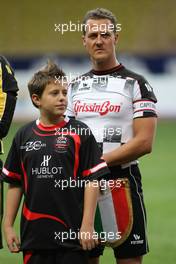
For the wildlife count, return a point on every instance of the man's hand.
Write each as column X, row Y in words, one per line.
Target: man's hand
column 7, row 78
column 12, row 240
column 88, row 239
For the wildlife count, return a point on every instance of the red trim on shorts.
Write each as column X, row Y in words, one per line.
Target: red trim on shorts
column 27, row 257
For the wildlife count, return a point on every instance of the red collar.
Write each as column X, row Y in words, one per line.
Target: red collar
column 54, row 127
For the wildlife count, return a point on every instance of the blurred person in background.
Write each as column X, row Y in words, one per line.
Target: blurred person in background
column 8, row 96
column 119, row 107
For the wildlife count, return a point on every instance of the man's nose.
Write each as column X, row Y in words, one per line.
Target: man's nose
column 99, row 40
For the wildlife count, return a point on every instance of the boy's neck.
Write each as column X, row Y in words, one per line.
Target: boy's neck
column 50, row 121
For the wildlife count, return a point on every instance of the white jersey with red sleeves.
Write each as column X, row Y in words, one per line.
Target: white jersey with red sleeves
column 108, row 102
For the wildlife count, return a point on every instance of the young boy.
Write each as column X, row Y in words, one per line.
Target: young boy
column 48, row 163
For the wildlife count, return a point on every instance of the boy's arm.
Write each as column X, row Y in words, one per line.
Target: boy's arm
column 93, row 169
column 87, row 226
column 13, row 200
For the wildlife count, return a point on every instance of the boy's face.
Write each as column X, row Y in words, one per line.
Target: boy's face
column 53, row 101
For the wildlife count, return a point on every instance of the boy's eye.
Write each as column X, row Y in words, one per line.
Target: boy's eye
column 54, row 92
column 65, row 93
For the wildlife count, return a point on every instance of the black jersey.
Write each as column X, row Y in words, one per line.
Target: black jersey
column 108, row 101
column 51, row 164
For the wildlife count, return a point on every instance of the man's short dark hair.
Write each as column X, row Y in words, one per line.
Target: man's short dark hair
column 50, row 73
column 99, row 13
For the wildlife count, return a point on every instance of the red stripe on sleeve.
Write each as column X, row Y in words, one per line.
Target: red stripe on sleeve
column 94, row 169
column 11, row 174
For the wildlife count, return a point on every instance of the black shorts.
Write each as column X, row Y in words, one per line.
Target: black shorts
column 136, row 244
column 60, row 256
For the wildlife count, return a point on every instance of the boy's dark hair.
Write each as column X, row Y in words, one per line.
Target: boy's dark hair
column 51, row 72
column 99, row 13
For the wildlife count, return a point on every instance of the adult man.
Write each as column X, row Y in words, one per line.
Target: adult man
column 118, row 105
column 8, row 93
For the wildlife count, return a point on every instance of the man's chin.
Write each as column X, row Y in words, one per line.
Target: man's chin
column 100, row 58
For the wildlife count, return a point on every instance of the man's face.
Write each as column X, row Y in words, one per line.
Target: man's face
column 100, row 39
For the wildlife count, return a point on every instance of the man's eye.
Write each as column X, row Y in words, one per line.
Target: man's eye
column 92, row 36
column 106, row 35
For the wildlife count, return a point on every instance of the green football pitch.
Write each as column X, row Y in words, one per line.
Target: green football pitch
column 159, row 183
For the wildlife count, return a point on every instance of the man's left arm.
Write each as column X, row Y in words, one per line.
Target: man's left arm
column 141, row 143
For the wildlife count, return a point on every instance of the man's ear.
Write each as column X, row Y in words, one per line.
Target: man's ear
column 36, row 99
column 116, row 38
column 83, row 39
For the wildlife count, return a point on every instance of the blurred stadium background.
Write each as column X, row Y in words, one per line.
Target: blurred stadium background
column 147, row 44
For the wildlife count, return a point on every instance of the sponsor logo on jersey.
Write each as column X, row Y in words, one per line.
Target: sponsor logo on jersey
column 84, row 87
column 45, row 170
column 61, row 144
column 100, row 82
column 149, row 88
column 46, row 159
column 103, row 108
column 33, row 145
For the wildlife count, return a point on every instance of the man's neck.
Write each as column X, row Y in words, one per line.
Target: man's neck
column 104, row 65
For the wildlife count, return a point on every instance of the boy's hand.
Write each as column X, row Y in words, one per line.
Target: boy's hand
column 88, row 237
column 12, row 240
column 7, row 78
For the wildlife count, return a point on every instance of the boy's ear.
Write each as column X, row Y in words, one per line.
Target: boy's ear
column 36, row 99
